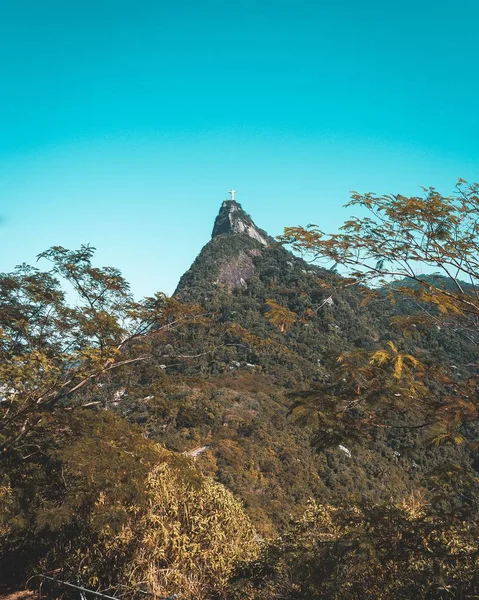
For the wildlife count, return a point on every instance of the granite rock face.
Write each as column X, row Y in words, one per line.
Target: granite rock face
column 233, row 219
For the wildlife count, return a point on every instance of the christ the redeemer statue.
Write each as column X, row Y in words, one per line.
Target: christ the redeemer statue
column 232, row 194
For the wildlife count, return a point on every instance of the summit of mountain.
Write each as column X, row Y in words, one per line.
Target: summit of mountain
column 232, row 219
column 227, row 260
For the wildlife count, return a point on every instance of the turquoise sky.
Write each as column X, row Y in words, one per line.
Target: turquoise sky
column 123, row 124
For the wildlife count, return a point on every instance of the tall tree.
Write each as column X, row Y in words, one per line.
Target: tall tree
column 424, row 249
column 64, row 328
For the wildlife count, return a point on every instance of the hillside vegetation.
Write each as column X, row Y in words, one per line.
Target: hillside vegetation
column 273, row 430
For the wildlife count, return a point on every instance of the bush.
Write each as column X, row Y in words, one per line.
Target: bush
column 109, row 509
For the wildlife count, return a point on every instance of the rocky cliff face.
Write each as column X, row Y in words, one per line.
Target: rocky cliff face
column 233, row 219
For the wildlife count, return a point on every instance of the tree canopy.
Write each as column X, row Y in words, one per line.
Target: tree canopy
column 64, row 328
column 421, row 254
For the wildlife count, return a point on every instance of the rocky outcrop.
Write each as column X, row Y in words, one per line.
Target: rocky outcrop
column 233, row 219
column 237, row 271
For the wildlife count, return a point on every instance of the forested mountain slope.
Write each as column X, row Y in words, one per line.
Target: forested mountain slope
column 160, row 446
column 233, row 394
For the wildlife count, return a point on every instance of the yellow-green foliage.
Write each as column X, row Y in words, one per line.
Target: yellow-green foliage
column 7, row 509
column 368, row 552
column 280, row 316
column 185, row 539
column 189, row 538
column 112, row 509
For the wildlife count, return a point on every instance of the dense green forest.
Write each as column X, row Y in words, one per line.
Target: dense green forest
column 298, row 421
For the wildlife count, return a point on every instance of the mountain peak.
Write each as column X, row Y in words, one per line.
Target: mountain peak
column 233, row 219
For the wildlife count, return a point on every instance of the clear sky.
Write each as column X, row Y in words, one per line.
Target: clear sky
column 124, row 123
